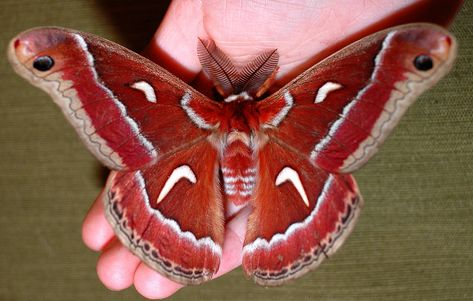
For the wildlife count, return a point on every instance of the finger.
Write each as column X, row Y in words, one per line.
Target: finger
column 233, row 243
column 152, row 285
column 116, row 266
column 96, row 231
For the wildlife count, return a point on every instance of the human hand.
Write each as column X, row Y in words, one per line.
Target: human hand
column 302, row 32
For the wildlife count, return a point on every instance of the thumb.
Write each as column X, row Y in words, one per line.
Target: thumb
column 173, row 46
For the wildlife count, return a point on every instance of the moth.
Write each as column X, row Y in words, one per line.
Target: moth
column 181, row 162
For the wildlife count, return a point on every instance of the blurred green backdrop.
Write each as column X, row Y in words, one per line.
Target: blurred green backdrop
column 414, row 240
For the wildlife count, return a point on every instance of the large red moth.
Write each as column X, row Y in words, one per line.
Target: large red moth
column 180, row 158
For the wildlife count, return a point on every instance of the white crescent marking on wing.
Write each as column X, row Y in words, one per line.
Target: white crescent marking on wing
column 325, row 90
column 183, row 171
column 289, row 174
column 189, row 236
column 147, row 89
column 261, row 243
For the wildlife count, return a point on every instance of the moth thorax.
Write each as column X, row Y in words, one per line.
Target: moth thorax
column 242, row 137
column 243, row 96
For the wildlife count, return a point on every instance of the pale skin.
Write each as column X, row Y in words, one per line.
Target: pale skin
column 301, row 31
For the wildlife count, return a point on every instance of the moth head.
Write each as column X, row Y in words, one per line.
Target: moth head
column 427, row 51
column 38, row 54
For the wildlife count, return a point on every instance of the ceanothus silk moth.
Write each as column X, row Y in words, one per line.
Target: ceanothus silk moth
column 181, row 161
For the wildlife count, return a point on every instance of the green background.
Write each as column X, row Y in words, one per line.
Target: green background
column 414, row 240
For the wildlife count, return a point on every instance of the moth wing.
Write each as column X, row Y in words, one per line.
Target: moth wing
column 171, row 214
column 127, row 110
column 301, row 215
column 341, row 110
